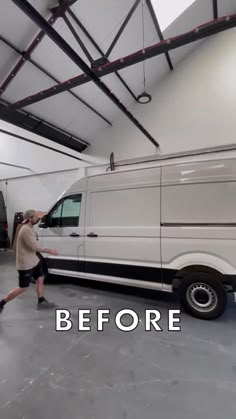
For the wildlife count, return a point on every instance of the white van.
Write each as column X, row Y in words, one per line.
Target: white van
column 164, row 223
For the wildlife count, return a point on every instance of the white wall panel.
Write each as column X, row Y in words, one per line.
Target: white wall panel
column 226, row 7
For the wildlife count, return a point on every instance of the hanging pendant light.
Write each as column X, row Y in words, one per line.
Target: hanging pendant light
column 144, row 97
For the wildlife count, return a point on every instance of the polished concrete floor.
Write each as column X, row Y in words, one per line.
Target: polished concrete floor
column 47, row 374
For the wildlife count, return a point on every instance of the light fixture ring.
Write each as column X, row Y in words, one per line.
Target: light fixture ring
column 144, row 98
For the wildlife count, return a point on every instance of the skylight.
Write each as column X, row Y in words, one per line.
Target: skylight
column 168, row 10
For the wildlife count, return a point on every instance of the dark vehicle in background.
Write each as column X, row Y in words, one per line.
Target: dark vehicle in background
column 4, row 237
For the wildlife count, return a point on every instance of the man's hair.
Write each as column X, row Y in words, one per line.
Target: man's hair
column 27, row 215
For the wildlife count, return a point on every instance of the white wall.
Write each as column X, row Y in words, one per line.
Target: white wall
column 30, row 188
column 37, row 192
column 193, row 107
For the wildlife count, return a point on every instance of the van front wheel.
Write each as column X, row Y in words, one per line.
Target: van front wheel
column 202, row 296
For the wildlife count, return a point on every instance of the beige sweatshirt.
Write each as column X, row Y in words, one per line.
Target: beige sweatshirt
column 26, row 248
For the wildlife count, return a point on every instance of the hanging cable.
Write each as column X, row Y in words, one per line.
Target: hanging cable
column 144, row 61
column 144, row 97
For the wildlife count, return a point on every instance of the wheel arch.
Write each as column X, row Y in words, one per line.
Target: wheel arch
column 182, row 273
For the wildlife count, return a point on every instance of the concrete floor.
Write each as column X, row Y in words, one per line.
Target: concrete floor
column 46, row 374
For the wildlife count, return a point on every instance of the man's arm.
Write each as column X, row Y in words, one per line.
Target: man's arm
column 32, row 244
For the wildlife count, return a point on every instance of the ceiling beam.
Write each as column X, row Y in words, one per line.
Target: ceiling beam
column 125, row 85
column 35, row 125
column 77, row 38
column 201, row 32
column 32, row 13
column 82, row 27
column 43, row 70
column 158, row 30
column 96, row 46
column 122, row 28
column 64, row 4
column 215, row 9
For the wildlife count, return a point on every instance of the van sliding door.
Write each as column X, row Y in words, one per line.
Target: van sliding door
column 122, row 233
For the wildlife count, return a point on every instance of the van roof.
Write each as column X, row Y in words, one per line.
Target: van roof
column 190, row 153
column 210, row 153
column 198, row 155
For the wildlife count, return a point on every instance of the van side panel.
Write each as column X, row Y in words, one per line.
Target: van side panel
column 123, row 210
column 199, row 215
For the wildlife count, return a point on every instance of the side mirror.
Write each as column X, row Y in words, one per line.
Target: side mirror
column 44, row 223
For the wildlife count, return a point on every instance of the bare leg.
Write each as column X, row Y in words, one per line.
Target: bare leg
column 14, row 293
column 40, row 287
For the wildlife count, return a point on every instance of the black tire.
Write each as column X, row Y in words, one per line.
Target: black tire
column 202, row 295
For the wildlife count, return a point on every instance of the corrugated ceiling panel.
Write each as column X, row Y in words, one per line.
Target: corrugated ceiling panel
column 16, row 26
column 64, row 111
column 117, row 87
column 28, row 81
column 9, row 57
column 50, row 56
column 100, row 100
column 103, row 19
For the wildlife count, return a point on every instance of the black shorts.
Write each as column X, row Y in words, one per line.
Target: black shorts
column 25, row 277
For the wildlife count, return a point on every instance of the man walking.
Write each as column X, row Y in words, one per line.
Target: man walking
column 28, row 263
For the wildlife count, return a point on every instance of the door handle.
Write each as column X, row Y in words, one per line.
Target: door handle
column 74, row 235
column 92, row 235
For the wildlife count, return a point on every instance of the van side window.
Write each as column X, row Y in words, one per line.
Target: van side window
column 55, row 216
column 66, row 213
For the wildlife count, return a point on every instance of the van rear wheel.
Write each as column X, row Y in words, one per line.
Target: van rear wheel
column 202, row 296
